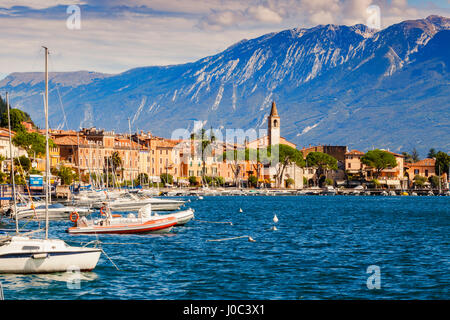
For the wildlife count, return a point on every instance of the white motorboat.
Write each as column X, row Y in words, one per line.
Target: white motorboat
column 146, row 222
column 182, row 217
column 132, row 202
column 56, row 211
column 26, row 255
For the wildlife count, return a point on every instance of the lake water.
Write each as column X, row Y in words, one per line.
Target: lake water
column 321, row 249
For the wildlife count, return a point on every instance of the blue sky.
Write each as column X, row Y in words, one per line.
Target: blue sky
column 118, row 35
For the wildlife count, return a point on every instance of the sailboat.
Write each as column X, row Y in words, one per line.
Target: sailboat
column 22, row 254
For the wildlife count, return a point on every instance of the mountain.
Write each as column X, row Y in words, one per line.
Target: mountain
column 343, row 85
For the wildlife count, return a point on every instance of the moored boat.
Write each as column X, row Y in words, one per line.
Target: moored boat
column 19, row 254
column 145, row 222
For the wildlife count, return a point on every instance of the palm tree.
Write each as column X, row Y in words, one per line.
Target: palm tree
column 116, row 162
column 205, row 142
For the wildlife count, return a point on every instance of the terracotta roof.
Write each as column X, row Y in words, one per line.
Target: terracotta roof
column 4, row 132
column 69, row 141
column 423, row 163
column 354, row 152
column 395, row 154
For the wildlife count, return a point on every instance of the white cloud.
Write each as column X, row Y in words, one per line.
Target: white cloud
column 168, row 31
column 261, row 13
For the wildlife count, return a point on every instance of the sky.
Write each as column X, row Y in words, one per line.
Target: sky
column 112, row 36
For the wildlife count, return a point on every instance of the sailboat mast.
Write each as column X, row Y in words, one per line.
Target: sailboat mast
column 131, row 156
column 47, row 158
column 12, row 165
column 78, row 153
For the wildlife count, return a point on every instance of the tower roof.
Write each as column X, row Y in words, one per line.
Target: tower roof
column 274, row 111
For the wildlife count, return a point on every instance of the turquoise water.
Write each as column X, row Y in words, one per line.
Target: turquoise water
column 321, row 250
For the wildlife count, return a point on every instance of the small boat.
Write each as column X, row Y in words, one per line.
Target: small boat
column 56, row 211
column 145, row 222
column 182, row 217
column 19, row 254
column 132, row 202
column 329, row 191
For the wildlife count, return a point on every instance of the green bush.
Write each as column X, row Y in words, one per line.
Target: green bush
column 193, row 181
column 252, row 181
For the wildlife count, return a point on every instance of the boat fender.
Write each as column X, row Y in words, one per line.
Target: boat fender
column 74, row 216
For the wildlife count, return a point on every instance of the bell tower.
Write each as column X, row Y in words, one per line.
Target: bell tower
column 274, row 126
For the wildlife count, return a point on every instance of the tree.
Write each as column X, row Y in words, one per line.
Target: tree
column 289, row 182
column 67, row 175
column 415, row 155
column 408, row 157
column 323, row 162
column 23, row 162
column 2, row 158
column 434, row 180
column 32, row 142
column 432, row 153
column 379, row 160
column 116, row 161
column 142, row 178
column 442, row 163
column 193, row 181
column 235, row 158
column 419, row 181
column 17, row 117
column 2, row 106
column 252, row 181
column 166, row 178
column 286, row 156
column 205, row 143
column 218, row 181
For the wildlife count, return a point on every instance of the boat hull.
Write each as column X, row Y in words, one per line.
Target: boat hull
column 19, row 257
column 153, row 226
column 39, row 214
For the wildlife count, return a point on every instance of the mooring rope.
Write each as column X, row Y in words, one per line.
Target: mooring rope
column 110, row 259
column 233, row 238
column 224, row 222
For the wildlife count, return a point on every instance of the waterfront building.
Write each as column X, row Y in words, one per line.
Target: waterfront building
column 390, row 177
column 424, row 168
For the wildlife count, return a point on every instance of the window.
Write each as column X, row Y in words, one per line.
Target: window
column 426, row 173
column 416, row 171
column 349, row 165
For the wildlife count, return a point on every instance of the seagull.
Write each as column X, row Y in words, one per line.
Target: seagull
column 275, row 219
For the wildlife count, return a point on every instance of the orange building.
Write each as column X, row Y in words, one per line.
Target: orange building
column 424, row 168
